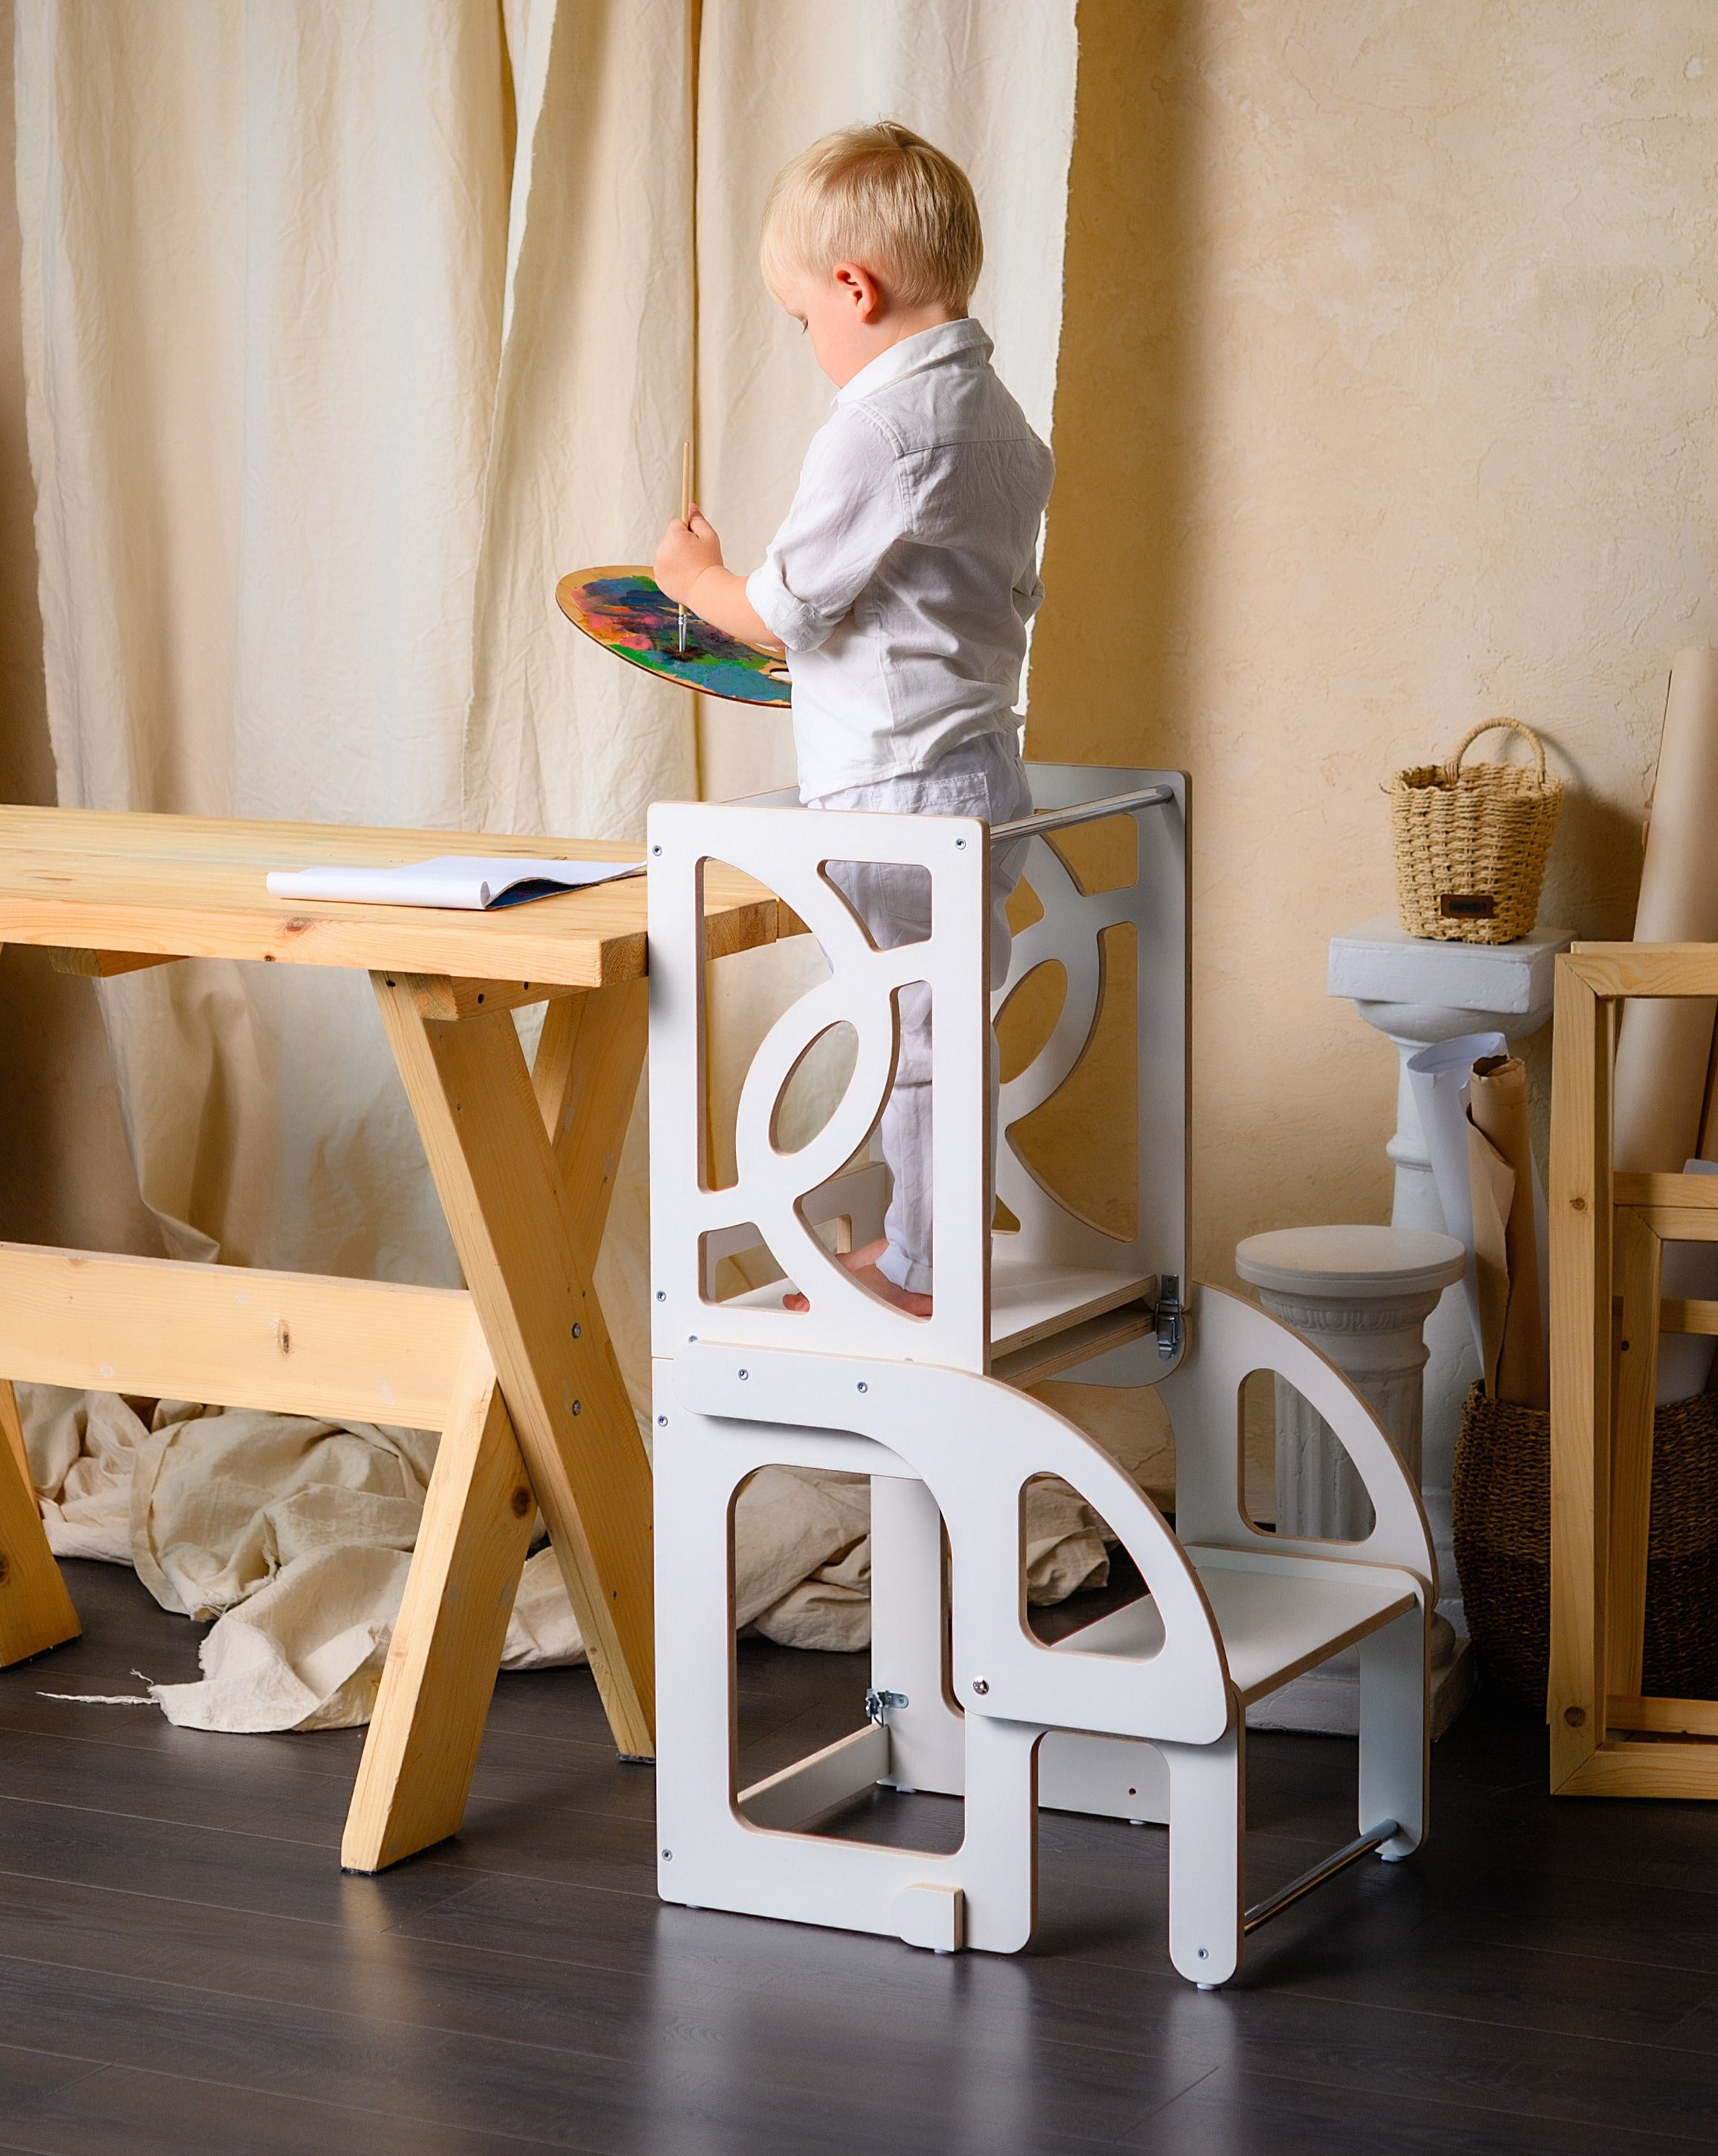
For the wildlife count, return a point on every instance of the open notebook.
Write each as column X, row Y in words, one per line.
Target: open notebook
column 469, row 881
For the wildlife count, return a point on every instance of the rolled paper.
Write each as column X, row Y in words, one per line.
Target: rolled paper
column 1665, row 1045
column 1506, row 1233
column 1438, row 1076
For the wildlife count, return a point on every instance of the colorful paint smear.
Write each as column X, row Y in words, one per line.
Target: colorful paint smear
column 627, row 613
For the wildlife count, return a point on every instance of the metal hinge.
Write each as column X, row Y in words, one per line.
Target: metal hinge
column 1171, row 1329
column 878, row 1703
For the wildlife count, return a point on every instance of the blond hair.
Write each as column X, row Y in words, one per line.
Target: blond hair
column 881, row 198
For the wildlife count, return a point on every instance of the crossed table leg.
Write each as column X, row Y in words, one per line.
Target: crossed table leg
column 525, row 1184
column 518, row 1375
column 36, row 1612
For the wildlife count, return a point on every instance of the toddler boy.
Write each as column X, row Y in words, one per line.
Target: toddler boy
column 901, row 581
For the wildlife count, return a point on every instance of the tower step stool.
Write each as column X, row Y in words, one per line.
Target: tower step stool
column 1141, row 1716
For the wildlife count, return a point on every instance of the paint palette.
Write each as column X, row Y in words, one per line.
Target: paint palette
column 626, row 611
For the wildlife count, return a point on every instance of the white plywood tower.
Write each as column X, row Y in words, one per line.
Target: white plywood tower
column 1141, row 1716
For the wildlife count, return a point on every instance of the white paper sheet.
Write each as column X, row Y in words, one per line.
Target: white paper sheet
column 1439, row 1077
column 463, row 882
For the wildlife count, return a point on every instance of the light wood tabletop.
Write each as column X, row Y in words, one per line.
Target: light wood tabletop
column 194, row 887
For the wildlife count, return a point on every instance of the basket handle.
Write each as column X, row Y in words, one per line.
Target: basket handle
column 1486, row 727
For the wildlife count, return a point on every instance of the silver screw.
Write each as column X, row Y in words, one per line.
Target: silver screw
column 579, row 1407
column 655, row 849
column 662, row 1422
column 960, row 845
column 863, row 1387
column 745, row 1373
column 662, row 1295
column 668, row 1858
column 1203, row 1954
column 981, row 1686
column 578, row 1333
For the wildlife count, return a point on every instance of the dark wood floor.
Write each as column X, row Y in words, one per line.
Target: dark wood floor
column 183, row 1966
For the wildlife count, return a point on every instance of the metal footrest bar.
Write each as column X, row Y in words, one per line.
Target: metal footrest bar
column 1363, row 1845
column 1083, row 812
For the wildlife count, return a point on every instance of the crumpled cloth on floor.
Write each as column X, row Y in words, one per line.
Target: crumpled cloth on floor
column 295, row 1537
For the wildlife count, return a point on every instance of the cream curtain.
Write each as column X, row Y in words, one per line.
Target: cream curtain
column 264, row 252
column 300, row 512
column 995, row 87
column 346, row 330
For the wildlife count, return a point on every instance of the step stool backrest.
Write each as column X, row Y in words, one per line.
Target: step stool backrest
column 1130, row 940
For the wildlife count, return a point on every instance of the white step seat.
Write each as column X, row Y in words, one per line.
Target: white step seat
column 1033, row 1304
column 1273, row 1623
column 1030, row 1303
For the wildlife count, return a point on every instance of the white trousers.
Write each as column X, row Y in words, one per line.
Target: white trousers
column 983, row 776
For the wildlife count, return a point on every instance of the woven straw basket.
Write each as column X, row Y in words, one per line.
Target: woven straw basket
column 1470, row 846
column 1502, row 1501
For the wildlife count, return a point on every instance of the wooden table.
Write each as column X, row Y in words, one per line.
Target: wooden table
column 516, row 1371
column 1608, row 1233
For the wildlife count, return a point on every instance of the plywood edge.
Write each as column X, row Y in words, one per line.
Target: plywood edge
column 1362, row 1628
column 1120, row 1289
column 1092, row 1337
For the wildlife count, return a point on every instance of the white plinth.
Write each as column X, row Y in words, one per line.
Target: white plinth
column 1361, row 1295
column 1416, row 993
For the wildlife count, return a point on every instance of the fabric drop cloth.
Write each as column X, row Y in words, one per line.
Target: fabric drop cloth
column 294, row 1539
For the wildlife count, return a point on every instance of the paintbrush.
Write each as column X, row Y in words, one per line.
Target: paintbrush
column 685, row 518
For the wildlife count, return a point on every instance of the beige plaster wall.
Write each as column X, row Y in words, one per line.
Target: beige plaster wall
column 1385, row 402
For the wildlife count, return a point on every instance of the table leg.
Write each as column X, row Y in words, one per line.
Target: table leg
column 422, row 1747
column 586, row 1077
column 527, row 1257
column 36, row 1612
column 1580, row 1370
column 11, row 1428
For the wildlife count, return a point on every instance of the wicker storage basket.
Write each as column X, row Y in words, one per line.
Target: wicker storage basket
column 1502, row 1501
column 1470, row 844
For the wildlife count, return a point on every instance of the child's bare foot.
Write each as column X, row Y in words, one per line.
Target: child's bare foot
column 862, row 1264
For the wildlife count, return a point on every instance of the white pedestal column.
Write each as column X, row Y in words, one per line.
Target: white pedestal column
column 1362, row 1296
column 1416, row 993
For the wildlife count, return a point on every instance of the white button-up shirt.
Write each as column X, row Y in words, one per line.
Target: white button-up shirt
column 905, row 574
